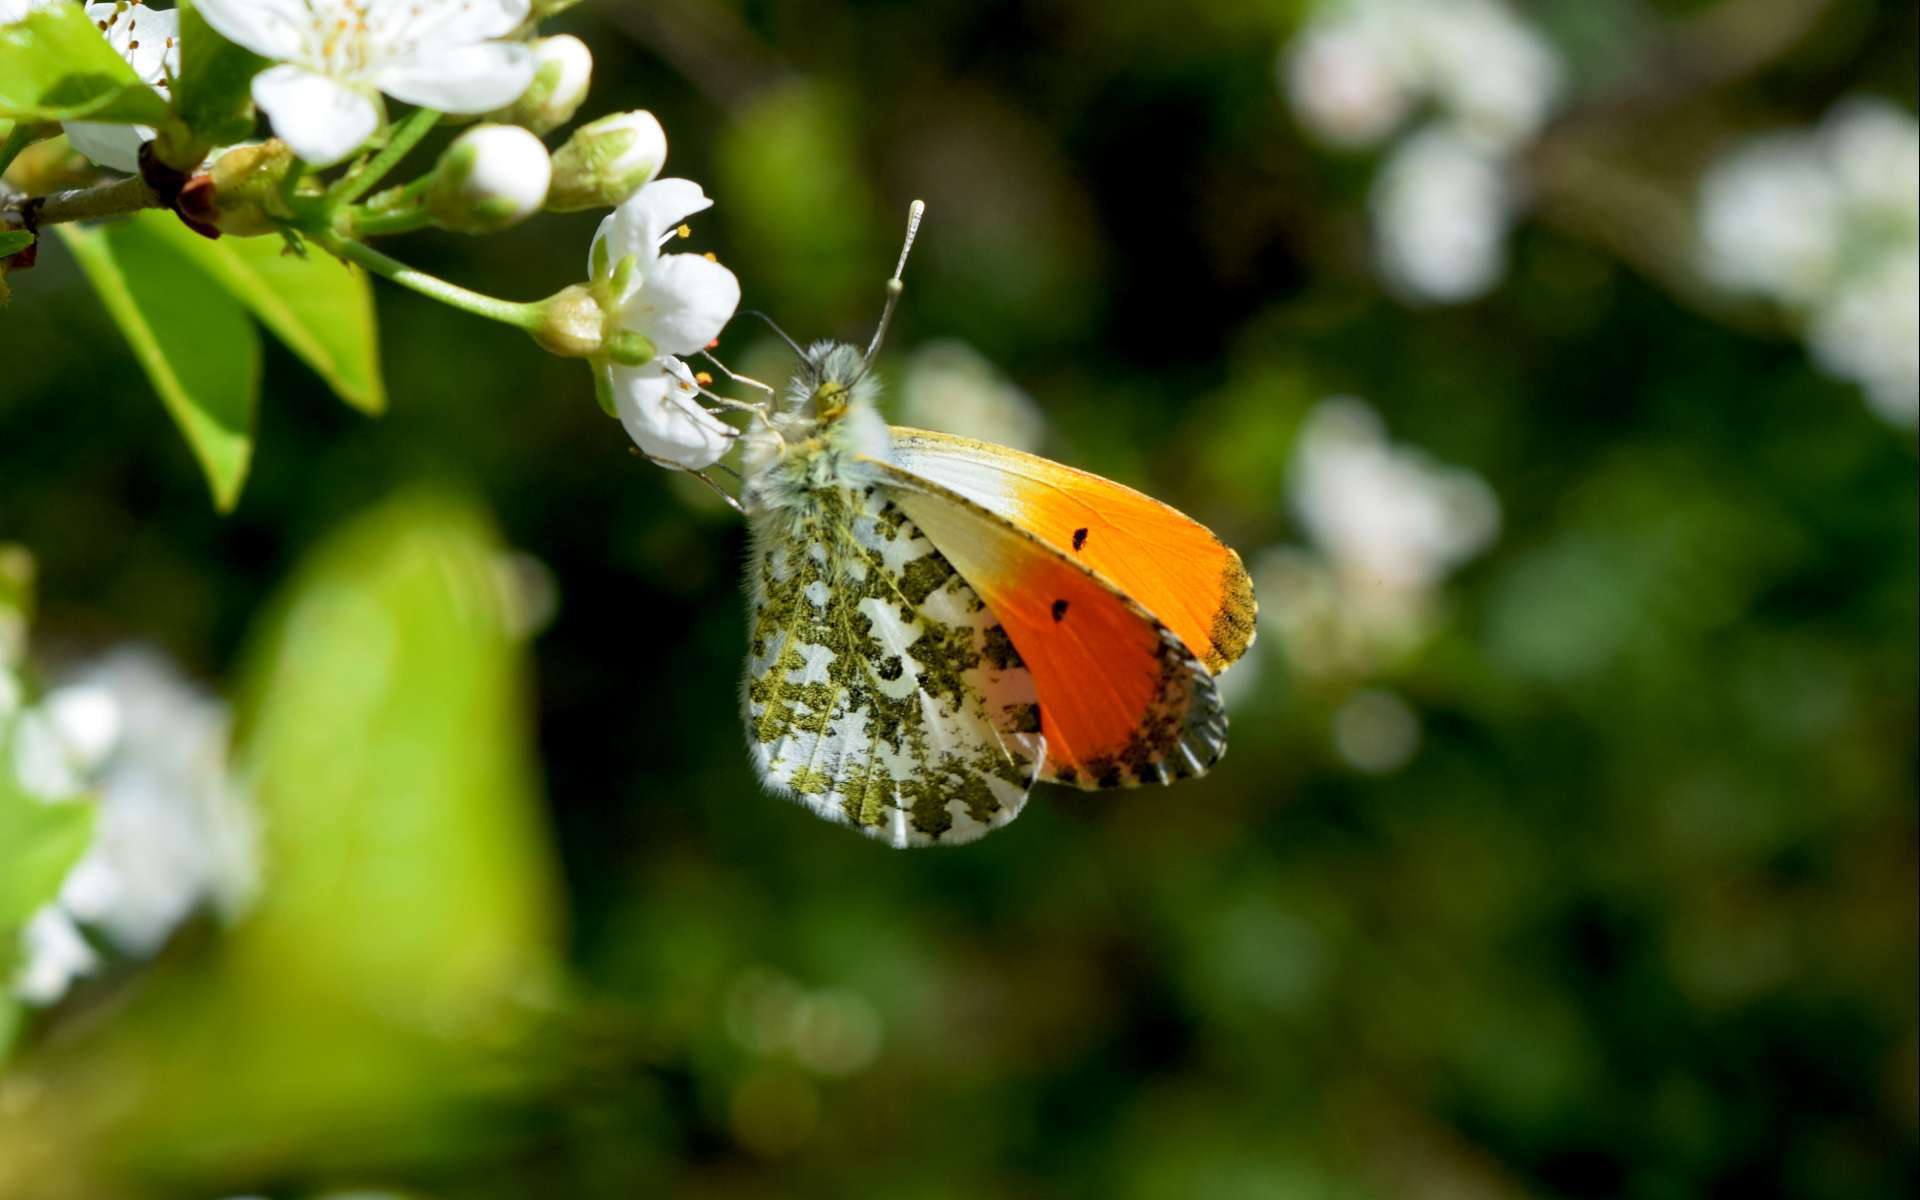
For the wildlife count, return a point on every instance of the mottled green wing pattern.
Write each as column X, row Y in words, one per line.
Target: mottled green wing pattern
column 881, row 693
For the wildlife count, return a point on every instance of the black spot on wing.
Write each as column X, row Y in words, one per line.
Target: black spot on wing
column 1059, row 610
column 1079, row 539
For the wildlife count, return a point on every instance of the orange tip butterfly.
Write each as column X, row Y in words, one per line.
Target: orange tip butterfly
column 938, row 623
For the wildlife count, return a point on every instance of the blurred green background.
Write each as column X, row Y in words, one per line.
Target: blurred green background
column 1585, row 869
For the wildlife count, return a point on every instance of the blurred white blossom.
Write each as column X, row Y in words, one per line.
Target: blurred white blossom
column 1866, row 332
column 1376, row 731
column 1386, row 525
column 173, row 832
column 1359, row 67
column 951, row 387
column 1443, row 201
column 1386, row 515
column 1826, row 223
column 1442, row 206
column 17, row 10
column 54, row 954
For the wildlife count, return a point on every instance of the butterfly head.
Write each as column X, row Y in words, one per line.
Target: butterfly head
column 832, row 378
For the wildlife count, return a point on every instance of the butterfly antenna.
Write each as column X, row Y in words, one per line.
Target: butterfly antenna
column 915, row 211
column 781, row 333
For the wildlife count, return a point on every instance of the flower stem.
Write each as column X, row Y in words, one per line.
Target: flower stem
column 109, row 199
column 397, row 220
column 507, row 312
column 400, row 143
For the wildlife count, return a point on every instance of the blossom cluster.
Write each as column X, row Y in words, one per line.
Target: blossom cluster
column 1386, row 525
column 1825, row 222
column 331, row 64
column 1443, row 201
column 172, row 831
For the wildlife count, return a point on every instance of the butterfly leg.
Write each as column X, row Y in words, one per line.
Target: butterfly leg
column 730, row 373
column 702, row 476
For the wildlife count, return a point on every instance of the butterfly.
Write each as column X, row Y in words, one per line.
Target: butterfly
column 937, row 623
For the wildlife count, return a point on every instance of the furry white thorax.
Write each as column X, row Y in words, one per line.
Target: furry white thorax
column 818, row 435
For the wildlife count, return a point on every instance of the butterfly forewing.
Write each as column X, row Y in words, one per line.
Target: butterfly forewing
column 1123, row 700
column 881, row 691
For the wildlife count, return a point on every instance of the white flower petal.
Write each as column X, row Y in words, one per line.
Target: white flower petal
column 660, row 408
column 115, row 147
column 453, row 21
column 148, row 38
column 665, row 203
column 272, row 28
column 612, row 232
column 460, row 79
column 635, row 227
column 55, row 955
column 322, row 120
column 684, row 303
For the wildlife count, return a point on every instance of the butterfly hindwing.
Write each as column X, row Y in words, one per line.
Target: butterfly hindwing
column 1123, row 700
column 881, row 692
column 1173, row 566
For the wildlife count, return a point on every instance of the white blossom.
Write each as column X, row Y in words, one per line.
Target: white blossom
column 1867, row 333
column 334, row 57
column 1442, row 206
column 562, row 71
column 1826, row 223
column 1345, row 82
column 149, row 39
column 659, row 404
column 679, row 303
column 1376, row 731
column 172, row 832
column 17, row 10
column 950, row 386
column 493, row 176
column 606, row 161
column 55, row 953
column 1359, row 67
column 1385, row 514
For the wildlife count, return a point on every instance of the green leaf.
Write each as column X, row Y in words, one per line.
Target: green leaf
column 391, row 981
column 193, row 340
column 213, row 95
column 13, row 241
column 387, row 707
column 56, row 66
column 39, row 843
column 318, row 306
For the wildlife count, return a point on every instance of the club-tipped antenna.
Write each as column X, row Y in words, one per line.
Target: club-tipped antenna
column 915, row 211
column 781, row 333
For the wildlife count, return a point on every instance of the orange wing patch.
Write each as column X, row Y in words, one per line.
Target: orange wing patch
column 1171, row 564
column 1123, row 701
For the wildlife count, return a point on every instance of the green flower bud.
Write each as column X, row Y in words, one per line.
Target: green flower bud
column 563, row 67
column 606, row 161
column 571, row 323
column 492, row 176
column 239, row 192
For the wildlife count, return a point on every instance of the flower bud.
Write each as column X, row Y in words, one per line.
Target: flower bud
column 239, row 192
column 571, row 323
column 491, row 177
column 562, row 68
column 606, row 161
column 49, row 166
